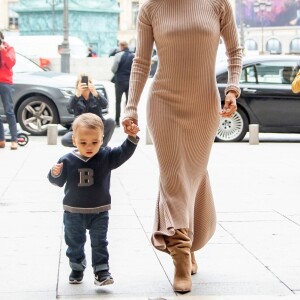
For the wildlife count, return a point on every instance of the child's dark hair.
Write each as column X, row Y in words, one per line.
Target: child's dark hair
column 88, row 120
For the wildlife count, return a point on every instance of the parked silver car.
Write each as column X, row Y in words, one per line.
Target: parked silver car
column 41, row 97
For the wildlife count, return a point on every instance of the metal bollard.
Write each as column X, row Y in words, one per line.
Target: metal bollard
column 253, row 134
column 52, row 134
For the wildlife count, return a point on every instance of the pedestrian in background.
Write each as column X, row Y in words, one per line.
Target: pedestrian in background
column 91, row 52
column 121, row 69
column 87, row 99
column 86, row 171
column 7, row 61
column 183, row 114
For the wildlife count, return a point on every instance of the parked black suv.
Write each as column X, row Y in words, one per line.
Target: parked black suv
column 266, row 97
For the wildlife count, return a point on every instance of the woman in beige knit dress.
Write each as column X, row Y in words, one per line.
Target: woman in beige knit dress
column 183, row 114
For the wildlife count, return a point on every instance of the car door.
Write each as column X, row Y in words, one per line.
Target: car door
column 266, row 89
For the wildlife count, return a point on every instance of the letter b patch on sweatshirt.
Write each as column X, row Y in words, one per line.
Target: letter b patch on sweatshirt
column 86, row 177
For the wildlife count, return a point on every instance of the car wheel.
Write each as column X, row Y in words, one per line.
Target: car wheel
column 36, row 113
column 233, row 129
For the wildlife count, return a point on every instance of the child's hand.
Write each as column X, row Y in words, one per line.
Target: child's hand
column 56, row 169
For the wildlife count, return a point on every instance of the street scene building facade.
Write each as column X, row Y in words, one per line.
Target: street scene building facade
column 8, row 18
column 265, row 26
column 269, row 26
column 94, row 22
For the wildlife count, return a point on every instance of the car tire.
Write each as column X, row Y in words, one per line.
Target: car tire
column 35, row 114
column 233, row 129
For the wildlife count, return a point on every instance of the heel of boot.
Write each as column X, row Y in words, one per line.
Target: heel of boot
column 179, row 247
column 182, row 275
column 194, row 268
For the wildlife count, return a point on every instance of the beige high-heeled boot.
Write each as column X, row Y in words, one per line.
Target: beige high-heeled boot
column 179, row 246
column 194, row 264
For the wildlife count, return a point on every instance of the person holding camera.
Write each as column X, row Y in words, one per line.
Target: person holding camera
column 87, row 99
column 7, row 61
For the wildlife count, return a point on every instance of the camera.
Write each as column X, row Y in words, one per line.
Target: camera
column 85, row 79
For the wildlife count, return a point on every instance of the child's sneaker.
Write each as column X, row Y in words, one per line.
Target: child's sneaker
column 103, row 278
column 75, row 277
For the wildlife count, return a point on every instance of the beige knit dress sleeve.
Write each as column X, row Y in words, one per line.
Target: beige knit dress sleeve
column 183, row 106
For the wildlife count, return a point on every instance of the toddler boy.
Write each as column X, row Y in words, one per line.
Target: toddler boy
column 86, row 172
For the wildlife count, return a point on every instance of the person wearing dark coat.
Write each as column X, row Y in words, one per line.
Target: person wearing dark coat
column 121, row 69
column 87, row 99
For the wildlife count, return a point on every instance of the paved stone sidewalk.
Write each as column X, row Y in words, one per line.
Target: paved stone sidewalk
column 253, row 255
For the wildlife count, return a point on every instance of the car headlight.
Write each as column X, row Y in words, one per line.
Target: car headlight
column 67, row 92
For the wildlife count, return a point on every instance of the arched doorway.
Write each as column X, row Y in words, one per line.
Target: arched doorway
column 251, row 45
column 274, row 46
column 295, row 46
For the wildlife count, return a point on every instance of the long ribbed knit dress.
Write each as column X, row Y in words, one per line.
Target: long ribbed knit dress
column 183, row 106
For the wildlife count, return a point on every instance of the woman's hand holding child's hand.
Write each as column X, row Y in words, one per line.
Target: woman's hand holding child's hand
column 130, row 126
column 133, row 129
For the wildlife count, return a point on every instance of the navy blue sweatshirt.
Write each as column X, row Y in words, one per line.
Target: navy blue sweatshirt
column 88, row 179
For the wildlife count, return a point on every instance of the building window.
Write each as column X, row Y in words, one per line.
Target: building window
column 13, row 23
column 274, row 46
column 13, row 17
column 295, row 46
column 134, row 13
column 251, row 45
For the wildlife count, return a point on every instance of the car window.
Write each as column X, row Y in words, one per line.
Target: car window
column 222, row 78
column 276, row 72
column 248, row 75
column 272, row 72
column 24, row 64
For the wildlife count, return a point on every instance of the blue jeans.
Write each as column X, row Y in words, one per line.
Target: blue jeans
column 6, row 97
column 75, row 236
